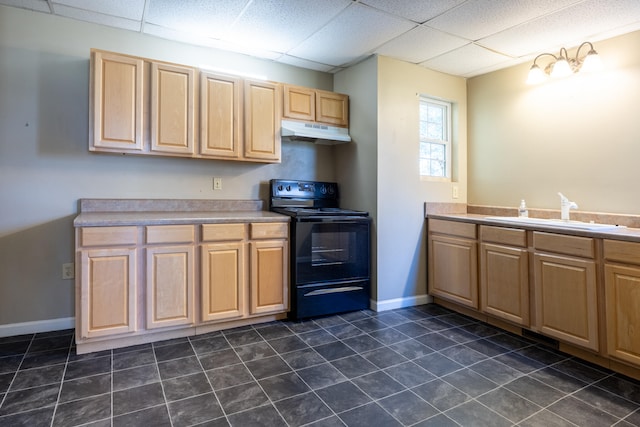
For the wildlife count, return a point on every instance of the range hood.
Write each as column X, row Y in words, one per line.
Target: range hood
column 314, row 132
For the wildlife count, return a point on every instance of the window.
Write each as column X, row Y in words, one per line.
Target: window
column 435, row 138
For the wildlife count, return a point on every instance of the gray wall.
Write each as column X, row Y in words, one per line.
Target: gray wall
column 45, row 165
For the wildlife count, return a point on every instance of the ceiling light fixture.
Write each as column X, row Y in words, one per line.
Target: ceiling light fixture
column 563, row 66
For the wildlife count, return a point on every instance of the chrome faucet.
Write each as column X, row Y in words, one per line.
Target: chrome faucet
column 565, row 206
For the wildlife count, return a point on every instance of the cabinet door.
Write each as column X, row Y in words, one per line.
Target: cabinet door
column 172, row 108
column 332, row 108
column 169, row 286
column 108, row 292
column 269, row 277
column 220, row 116
column 453, row 270
column 116, row 103
column 622, row 293
column 262, row 121
column 222, row 281
column 299, row 103
column 504, row 282
column 566, row 304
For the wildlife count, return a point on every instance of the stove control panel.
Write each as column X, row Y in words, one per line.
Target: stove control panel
column 281, row 188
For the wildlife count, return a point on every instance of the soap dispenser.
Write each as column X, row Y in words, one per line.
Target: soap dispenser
column 523, row 212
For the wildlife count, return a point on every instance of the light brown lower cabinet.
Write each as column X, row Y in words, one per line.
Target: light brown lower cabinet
column 622, row 295
column 453, row 262
column 222, row 283
column 566, row 299
column 268, row 272
column 583, row 291
column 504, row 282
column 139, row 280
column 170, row 286
column 565, row 276
column 107, row 292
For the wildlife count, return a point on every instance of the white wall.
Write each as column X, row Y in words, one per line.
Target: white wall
column 579, row 135
column 402, row 268
column 45, row 165
column 386, row 95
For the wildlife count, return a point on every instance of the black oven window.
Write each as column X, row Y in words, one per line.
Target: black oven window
column 331, row 248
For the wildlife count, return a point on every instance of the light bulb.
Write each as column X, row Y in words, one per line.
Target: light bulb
column 591, row 62
column 561, row 68
column 536, row 75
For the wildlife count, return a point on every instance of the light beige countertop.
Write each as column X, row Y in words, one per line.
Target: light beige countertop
column 122, row 212
column 619, row 233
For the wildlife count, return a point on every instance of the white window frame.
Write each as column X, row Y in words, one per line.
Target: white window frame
column 446, row 141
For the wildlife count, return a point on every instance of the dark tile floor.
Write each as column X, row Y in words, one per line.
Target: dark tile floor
column 420, row 366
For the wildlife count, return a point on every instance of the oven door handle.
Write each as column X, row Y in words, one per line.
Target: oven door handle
column 335, row 219
column 333, row 290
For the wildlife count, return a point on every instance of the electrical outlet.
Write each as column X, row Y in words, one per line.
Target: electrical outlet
column 454, row 192
column 68, row 271
column 217, row 183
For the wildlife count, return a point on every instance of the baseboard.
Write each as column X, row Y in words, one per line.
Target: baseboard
column 392, row 304
column 49, row 325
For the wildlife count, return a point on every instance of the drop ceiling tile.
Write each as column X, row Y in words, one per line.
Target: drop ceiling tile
column 498, row 66
column 465, row 60
column 202, row 17
column 303, row 63
column 420, row 44
column 351, row 36
column 37, row 5
column 130, row 9
column 585, row 21
column 415, row 10
column 97, row 18
column 200, row 40
column 280, row 25
column 477, row 19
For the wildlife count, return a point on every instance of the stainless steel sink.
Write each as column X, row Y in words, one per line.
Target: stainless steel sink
column 578, row 225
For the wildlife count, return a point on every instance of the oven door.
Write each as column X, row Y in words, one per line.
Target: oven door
column 331, row 249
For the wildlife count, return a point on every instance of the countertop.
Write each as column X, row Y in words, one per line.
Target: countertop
column 122, row 212
column 619, row 233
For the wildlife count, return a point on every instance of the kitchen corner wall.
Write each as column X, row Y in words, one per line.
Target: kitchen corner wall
column 384, row 126
column 45, row 165
column 579, row 135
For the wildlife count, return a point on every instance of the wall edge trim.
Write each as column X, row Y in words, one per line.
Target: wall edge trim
column 48, row 325
column 394, row 303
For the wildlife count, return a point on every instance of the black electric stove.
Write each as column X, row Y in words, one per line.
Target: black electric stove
column 330, row 248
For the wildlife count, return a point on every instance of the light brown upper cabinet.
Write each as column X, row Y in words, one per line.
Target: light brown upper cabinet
column 220, row 115
column 332, row 108
column 142, row 106
column 172, row 108
column 116, row 102
column 262, row 121
column 315, row 105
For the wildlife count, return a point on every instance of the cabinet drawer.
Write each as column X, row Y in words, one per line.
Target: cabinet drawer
column 507, row 236
column 170, row 234
column 462, row 229
column 107, row 236
column 222, row 232
column 628, row 252
column 267, row 230
column 562, row 244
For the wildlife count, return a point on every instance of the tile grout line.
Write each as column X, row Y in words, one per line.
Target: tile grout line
column 204, row 372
